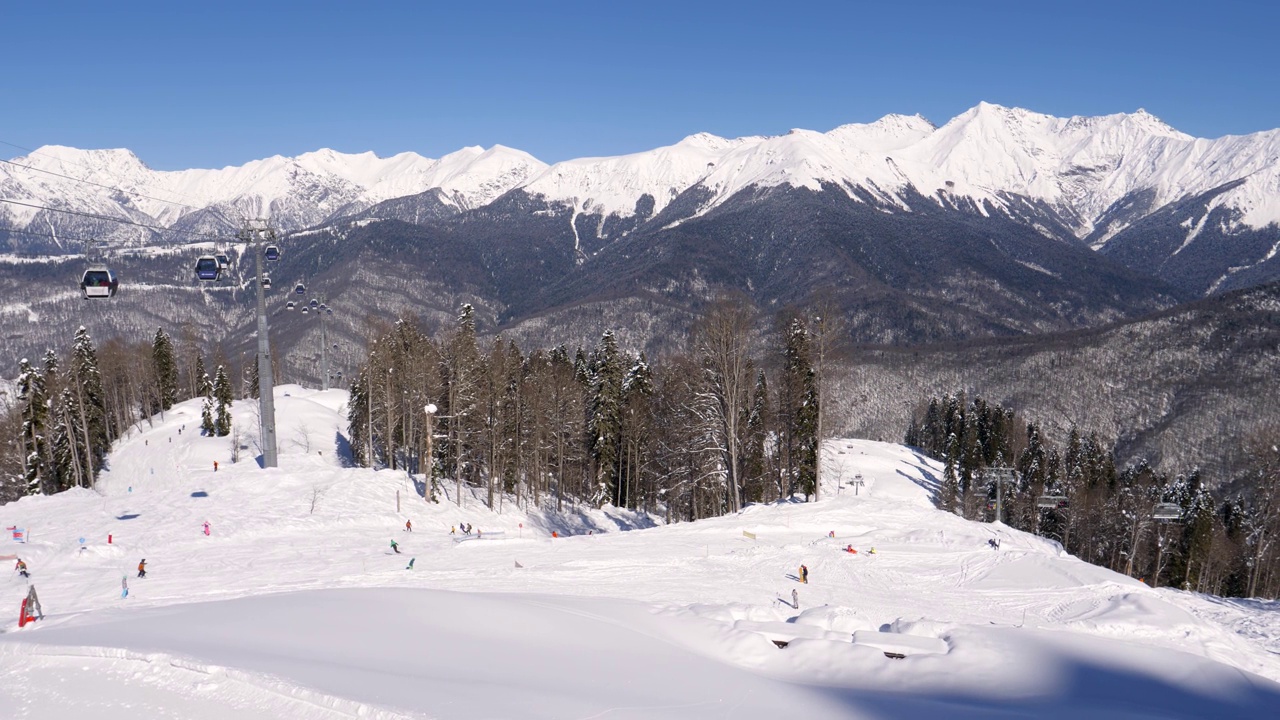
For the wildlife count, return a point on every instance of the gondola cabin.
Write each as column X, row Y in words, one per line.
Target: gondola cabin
column 266, row 282
column 304, row 309
column 272, row 253
column 300, row 289
column 224, row 262
column 208, row 269
column 289, row 305
column 98, row 282
column 313, row 304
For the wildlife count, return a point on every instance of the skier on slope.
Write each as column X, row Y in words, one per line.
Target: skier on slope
column 804, row 574
column 124, row 587
column 410, row 565
column 395, row 547
column 21, row 567
column 142, row 568
column 206, row 527
column 408, row 526
column 795, row 599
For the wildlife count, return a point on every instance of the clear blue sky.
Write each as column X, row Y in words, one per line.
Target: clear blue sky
column 194, row 84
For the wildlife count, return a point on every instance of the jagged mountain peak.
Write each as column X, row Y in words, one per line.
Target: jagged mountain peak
column 1079, row 167
column 80, row 157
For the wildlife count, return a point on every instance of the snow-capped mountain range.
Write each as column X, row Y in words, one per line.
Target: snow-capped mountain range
column 294, row 192
column 1079, row 165
column 1083, row 179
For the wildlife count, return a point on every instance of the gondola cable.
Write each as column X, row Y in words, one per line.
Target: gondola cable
column 96, row 184
column 64, row 162
column 108, row 218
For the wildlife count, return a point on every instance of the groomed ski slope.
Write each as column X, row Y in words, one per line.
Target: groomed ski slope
column 289, row 612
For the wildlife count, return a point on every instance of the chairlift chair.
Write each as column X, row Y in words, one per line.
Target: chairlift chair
column 1052, row 502
column 98, row 282
column 208, row 269
column 272, row 253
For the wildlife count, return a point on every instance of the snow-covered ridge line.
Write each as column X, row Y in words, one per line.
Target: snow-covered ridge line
column 1079, row 165
column 295, row 192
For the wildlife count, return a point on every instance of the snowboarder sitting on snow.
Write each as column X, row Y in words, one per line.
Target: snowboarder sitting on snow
column 142, row 568
column 804, row 574
column 849, row 549
column 22, row 568
column 395, row 547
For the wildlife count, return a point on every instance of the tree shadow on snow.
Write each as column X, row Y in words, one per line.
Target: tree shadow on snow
column 929, row 481
column 624, row 523
column 342, row 446
column 128, row 516
column 1081, row 689
column 199, row 494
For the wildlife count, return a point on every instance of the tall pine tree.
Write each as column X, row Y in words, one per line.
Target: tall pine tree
column 604, row 417
column 35, row 415
column 207, row 425
column 222, row 403
column 798, row 407
column 165, row 367
column 85, row 382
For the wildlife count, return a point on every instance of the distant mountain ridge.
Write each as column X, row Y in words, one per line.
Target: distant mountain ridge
column 1093, row 180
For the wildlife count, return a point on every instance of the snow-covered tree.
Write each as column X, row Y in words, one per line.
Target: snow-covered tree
column 35, row 415
column 205, row 388
column 604, row 417
column 165, row 368
column 222, row 403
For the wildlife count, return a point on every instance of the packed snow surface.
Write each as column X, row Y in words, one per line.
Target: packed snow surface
column 296, row 606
